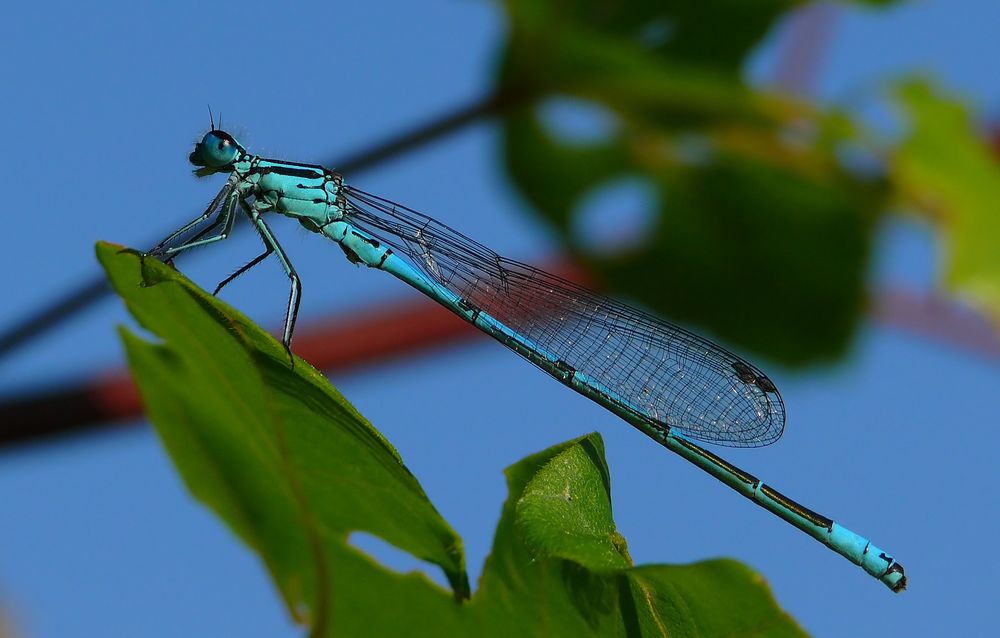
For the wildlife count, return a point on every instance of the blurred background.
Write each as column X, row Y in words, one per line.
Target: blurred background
column 810, row 184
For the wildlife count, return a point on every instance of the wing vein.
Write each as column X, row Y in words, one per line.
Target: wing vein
column 671, row 375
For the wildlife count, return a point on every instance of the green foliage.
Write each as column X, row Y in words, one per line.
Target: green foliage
column 944, row 171
column 758, row 226
column 293, row 469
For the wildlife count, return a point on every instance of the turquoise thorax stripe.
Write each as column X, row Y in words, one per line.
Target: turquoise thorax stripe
column 304, row 191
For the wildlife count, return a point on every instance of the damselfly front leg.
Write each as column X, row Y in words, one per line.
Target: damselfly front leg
column 227, row 199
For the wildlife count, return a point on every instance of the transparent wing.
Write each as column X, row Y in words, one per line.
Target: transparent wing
column 670, row 374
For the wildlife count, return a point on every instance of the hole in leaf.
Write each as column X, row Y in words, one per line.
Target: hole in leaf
column 398, row 560
column 577, row 121
column 616, row 217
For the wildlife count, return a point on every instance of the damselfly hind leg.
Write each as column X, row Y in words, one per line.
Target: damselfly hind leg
column 272, row 245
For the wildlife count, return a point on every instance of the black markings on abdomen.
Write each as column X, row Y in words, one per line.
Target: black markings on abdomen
column 568, row 371
column 468, row 306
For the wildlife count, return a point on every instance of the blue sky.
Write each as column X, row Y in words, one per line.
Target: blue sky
column 97, row 535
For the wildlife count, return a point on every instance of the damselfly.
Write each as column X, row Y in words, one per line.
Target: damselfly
column 670, row 384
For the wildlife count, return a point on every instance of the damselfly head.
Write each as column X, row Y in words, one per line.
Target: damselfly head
column 215, row 152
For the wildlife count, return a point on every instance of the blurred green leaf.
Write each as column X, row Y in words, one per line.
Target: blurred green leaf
column 945, row 169
column 760, row 232
column 293, row 469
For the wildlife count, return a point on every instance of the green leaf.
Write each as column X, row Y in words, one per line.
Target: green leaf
column 559, row 567
column 566, row 494
column 276, row 451
column 945, row 170
column 760, row 231
column 293, row 469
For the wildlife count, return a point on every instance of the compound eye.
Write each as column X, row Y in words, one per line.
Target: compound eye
column 216, row 149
